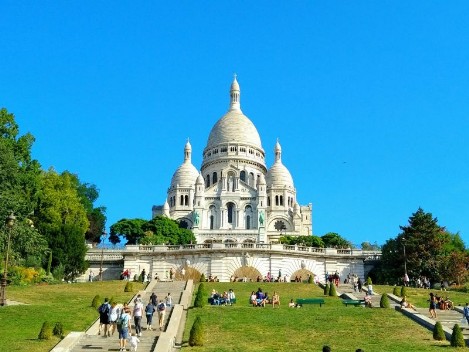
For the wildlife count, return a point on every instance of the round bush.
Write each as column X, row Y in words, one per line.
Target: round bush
column 403, row 291
column 58, row 329
column 384, row 302
column 46, row 331
column 396, row 291
column 438, row 333
column 96, row 302
column 129, row 287
column 199, row 301
column 457, row 338
column 326, row 290
column 196, row 337
column 332, row 291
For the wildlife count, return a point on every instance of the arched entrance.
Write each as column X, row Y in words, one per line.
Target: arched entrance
column 246, row 273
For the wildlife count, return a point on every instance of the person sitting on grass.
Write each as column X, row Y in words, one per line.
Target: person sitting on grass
column 291, row 304
column 368, row 301
column 260, row 298
column 406, row 304
column 275, row 300
column 253, row 299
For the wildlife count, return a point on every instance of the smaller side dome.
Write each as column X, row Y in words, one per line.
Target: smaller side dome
column 186, row 174
column 278, row 175
column 200, row 180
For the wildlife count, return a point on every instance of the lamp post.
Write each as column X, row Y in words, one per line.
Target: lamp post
column 405, row 262
column 9, row 222
column 102, row 256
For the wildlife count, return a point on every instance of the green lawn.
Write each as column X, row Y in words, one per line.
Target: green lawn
column 69, row 304
column 419, row 296
column 245, row 328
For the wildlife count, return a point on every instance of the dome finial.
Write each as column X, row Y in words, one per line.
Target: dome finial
column 278, row 151
column 187, row 151
column 235, row 95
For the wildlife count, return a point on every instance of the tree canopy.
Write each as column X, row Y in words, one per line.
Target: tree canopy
column 430, row 251
column 156, row 231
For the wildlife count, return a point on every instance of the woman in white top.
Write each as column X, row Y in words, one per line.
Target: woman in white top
column 169, row 300
column 113, row 315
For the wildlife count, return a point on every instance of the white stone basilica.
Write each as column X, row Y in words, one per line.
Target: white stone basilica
column 234, row 197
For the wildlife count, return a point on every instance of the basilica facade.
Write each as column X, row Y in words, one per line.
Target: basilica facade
column 234, row 197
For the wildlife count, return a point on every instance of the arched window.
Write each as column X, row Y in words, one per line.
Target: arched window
column 207, row 181
column 230, row 208
column 281, row 200
column 182, row 200
column 186, row 200
column 251, row 179
column 242, row 175
column 276, row 200
column 248, row 222
column 248, row 213
column 212, row 220
column 214, row 178
column 268, row 201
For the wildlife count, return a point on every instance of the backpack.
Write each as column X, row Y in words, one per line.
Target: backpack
column 121, row 320
column 104, row 308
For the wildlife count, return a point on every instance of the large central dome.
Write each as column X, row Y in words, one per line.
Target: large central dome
column 234, row 127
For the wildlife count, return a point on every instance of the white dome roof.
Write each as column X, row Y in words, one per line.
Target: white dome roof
column 234, row 127
column 185, row 175
column 278, row 175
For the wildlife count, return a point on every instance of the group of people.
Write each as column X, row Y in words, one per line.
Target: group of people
column 224, row 299
column 260, row 298
column 114, row 317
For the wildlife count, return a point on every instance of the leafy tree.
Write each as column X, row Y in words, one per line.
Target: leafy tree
column 166, row 230
column 88, row 194
column 334, row 240
column 367, row 246
column 61, row 218
column 309, row 241
column 428, row 247
column 131, row 229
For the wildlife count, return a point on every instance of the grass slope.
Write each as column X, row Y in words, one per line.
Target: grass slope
column 245, row 328
column 69, row 304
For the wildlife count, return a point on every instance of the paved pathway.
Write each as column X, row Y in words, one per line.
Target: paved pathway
column 93, row 342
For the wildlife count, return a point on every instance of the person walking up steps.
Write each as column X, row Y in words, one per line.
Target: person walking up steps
column 149, row 310
column 161, row 313
column 138, row 313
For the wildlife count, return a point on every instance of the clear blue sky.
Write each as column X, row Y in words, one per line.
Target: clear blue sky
column 370, row 100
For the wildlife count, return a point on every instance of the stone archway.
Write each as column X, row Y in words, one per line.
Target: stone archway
column 189, row 274
column 302, row 275
column 246, row 272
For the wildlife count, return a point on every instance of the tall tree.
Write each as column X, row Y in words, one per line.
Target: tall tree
column 89, row 193
column 61, row 217
column 166, row 230
column 428, row 248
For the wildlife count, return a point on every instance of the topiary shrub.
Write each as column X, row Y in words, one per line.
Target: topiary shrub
column 199, row 301
column 96, row 302
column 368, row 281
column 202, row 278
column 58, row 330
column 384, row 302
column 332, row 290
column 196, row 337
column 46, row 331
column 129, row 287
column 403, row 291
column 136, row 278
column 326, row 290
column 310, row 279
column 457, row 338
column 438, row 333
column 396, row 291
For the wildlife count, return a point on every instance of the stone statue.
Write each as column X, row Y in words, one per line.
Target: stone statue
column 196, row 218
column 261, row 218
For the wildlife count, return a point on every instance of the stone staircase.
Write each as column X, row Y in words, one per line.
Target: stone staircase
column 92, row 341
column 448, row 318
